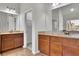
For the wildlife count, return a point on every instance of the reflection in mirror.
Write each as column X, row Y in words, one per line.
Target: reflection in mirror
column 7, row 22
column 12, row 23
column 71, row 17
column 73, row 25
column 54, row 25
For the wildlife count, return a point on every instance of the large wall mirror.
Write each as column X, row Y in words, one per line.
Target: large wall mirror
column 71, row 17
column 7, row 22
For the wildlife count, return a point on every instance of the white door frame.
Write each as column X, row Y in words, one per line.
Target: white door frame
column 25, row 24
column 33, row 32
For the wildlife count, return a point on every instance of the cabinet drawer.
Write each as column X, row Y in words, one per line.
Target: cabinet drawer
column 7, row 36
column 12, row 36
column 44, row 37
column 56, row 39
column 18, row 35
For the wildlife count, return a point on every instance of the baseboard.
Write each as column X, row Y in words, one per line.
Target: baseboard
column 24, row 46
column 35, row 52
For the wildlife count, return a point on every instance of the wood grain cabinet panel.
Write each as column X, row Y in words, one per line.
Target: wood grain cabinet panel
column 56, row 39
column 0, row 44
column 7, row 42
column 55, row 50
column 70, row 47
column 19, row 40
column 70, row 51
column 11, row 41
column 69, row 42
column 44, row 44
column 58, row 46
column 55, row 46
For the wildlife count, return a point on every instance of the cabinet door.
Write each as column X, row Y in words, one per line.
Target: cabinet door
column 55, row 46
column 0, row 44
column 70, row 51
column 7, row 42
column 71, row 47
column 18, row 40
column 44, row 44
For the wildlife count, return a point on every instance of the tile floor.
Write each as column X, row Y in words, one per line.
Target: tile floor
column 21, row 52
column 29, row 45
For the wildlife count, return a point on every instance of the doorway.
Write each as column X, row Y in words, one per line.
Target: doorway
column 28, row 20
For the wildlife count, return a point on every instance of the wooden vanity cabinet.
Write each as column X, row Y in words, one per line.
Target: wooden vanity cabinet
column 55, row 46
column 70, row 47
column 7, row 42
column 50, row 45
column 44, row 44
column 0, row 44
column 58, row 46
column 11, row 41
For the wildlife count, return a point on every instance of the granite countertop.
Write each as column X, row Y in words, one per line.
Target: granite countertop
column 76, row 36
column 11, row 33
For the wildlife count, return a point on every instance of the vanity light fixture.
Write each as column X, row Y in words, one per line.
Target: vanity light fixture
column 10, row 10
column 72, row 9
column 55, row 4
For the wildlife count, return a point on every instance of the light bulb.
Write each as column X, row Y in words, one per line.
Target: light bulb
column 14, row 10
column 7, row 9
column 11, row 10
column 72, row 9
column 55, row 4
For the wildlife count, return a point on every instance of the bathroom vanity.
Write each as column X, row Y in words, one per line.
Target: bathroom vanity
column 10, row 36
column 58, row 44
column 11, row 40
